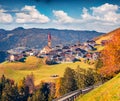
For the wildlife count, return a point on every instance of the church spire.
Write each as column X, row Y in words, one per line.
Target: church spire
column 49, row 40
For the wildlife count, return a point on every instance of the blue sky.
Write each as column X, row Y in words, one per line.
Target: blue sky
column 99, row 15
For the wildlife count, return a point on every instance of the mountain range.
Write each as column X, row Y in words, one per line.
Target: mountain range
column 37, row 38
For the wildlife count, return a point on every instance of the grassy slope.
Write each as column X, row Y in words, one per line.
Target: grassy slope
column 19, row 70
column 105, row 36
column 110, row 91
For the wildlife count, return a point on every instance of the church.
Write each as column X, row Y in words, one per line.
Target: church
column 48, row 47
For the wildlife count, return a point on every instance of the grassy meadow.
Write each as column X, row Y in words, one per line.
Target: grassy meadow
column 41, row 71
column 110, row 91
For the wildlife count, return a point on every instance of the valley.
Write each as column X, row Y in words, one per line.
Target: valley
column 59, row 50
column 51, row 73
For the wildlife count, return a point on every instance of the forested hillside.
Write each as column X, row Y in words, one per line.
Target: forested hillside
column 37, row 38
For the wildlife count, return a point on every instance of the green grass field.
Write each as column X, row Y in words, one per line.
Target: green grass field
column 18, row 70
column 110, row 91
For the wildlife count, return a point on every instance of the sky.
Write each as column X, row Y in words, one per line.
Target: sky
column 98, row 15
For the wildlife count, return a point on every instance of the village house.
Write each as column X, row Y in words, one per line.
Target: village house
column 80, row 53
column 91, row 43
column 95, row 55
column 18, row 53
column 104, row 42
column 15, row 57
column 65, row 48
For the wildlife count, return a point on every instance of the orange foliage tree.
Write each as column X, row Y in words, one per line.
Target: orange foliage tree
column 111, row 56
column 57, row 87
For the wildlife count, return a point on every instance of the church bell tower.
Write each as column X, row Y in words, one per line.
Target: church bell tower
column 49, row 40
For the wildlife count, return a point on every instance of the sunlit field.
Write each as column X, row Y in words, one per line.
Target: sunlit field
column 109, row 91
column 18, row 70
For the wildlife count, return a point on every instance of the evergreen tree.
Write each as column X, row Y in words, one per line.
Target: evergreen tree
column 10, row 93
column 3, row 80
column 68, row 82
column 80, row 77
column 97, row 77
column 52, row 91
column 24, row 91
column 41, row 94
column 1, row 90
column 89, row 78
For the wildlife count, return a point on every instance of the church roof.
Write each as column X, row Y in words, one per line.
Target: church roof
column 47, row 47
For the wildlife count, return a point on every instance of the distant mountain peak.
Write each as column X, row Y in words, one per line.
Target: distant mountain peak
column 19, row 28
column 2, row 29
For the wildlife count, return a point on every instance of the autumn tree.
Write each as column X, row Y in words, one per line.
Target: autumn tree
column 57, row 88
column 52, row 91
column 29, row 81
column 99, row 64
column 111, row 56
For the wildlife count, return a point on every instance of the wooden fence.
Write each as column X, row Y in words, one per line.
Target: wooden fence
column 75, row 94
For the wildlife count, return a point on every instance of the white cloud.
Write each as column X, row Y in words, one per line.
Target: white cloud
column 105, row 8
column 5, row 17
column 62, row 17
column 30, row 14
column 106, row 13
column 102, row 18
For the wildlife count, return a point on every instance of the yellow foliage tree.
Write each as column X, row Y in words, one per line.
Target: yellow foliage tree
column 57, row 87
column 111, row 56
